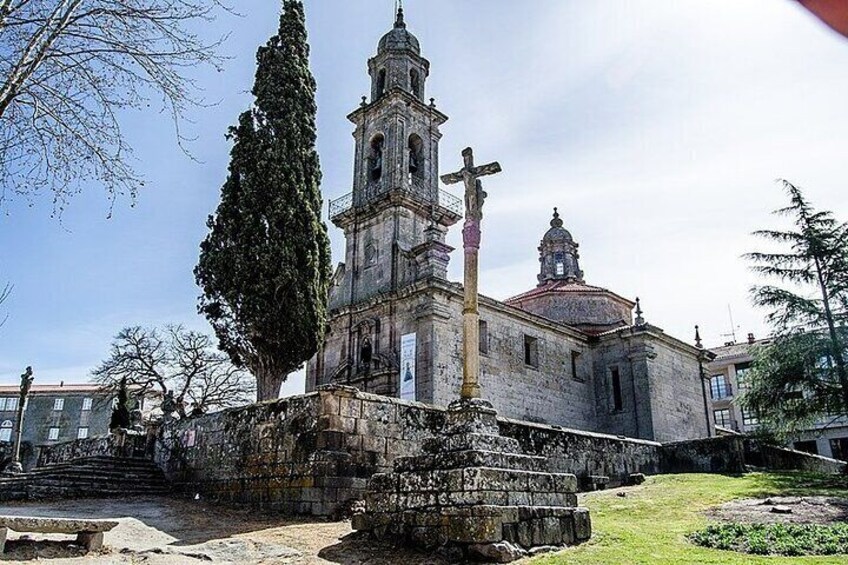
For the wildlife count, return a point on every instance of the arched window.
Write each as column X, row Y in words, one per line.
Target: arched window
column 416, row 155
column 6, row 430
column 375, row 158
column 559, row 263
column 415, row 83
column 381, row 82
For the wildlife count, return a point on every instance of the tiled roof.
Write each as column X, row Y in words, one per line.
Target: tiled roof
column 562, row 287
column 737, row 349
column 52, row 389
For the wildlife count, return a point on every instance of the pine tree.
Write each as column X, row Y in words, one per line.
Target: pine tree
column 265, row 266
column 801, row 376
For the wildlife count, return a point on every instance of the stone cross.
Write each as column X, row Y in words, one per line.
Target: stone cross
column 475, row 196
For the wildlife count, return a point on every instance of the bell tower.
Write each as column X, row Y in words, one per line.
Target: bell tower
column 395, row 219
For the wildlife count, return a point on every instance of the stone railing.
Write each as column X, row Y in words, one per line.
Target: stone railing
column 345, row 203
column 121, row 443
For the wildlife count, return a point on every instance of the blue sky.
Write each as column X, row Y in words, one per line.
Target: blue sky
column 658, row 128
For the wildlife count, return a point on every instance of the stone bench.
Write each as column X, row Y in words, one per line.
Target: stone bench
column 89, row 532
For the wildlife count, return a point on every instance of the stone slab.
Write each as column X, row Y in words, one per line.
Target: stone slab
column 55, row 525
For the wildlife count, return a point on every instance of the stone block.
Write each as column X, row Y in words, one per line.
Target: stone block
column 635, row 479
column 474, row 529
column 582, row 525
column 91, row 541
column 350, row 407
column 328, row 403
column 485, row 478
column 502, row 552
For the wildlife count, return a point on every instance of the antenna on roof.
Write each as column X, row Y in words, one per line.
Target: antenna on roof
column 733, row 327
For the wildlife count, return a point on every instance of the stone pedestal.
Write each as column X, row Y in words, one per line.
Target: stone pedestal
column 474, row 489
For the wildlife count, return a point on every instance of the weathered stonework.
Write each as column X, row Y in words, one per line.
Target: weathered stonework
column 314, row 454
column 473, row 489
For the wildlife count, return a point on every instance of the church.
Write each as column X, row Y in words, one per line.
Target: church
column 565, row 353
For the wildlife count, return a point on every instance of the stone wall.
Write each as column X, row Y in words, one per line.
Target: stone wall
column 313, row 454
column 118, row 444
column 733, row 454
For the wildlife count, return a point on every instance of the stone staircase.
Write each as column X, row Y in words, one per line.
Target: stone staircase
column 91, row 477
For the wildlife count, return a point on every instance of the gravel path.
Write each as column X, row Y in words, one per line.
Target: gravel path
column 172, row 531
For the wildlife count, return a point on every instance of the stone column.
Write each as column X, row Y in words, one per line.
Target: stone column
column 471, row 313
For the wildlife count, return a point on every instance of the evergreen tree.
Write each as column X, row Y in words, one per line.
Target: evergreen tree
column 800, row 377
column 265, row 266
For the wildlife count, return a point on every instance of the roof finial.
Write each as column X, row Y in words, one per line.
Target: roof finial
column 556, row 222
column 399, row 21
column 640, row 320
column 698, row 343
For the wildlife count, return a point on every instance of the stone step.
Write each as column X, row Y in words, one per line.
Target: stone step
column 471, row 458
column 472, row 441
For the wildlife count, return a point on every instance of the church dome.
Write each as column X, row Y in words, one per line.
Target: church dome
column 557, row 233
column 399, row 39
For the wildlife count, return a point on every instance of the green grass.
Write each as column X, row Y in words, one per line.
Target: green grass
column 652, row 524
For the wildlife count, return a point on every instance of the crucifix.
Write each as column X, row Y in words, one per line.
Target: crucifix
column 475, row 196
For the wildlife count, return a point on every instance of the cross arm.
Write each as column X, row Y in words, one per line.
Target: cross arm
column 490, row 169
column 453, row 178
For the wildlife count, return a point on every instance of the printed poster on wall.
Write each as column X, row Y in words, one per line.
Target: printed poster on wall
column 407, row 367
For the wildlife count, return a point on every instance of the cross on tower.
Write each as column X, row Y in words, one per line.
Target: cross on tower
column 475, row 196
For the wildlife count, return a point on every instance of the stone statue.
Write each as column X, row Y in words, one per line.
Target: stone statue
column 169, row 405
column 470, row 175
column 26, row 383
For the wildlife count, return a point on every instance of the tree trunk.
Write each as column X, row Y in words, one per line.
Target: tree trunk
column 835, row 346
column 268, row 386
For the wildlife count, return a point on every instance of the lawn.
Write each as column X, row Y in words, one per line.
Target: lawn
column 650, row 525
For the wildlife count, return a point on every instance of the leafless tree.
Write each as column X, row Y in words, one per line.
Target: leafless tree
column 67, row 70
column 4, row 294
column 177, row 361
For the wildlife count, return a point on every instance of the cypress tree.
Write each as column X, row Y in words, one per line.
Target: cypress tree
column 265, row 266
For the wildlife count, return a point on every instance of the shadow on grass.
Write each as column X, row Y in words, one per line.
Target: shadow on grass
column 797, row 483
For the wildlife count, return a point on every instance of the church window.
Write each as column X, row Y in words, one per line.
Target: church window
column 416, row 155
column 375, row 159
column 575, row 358
column 381, row 82
column 722, row 418
column 484, row 336
column 415, row 83
column 531, row 351
column 559, row 263
column 617, row 398
column 6, row 431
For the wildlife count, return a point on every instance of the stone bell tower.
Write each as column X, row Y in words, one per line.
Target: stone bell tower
column 396, row 218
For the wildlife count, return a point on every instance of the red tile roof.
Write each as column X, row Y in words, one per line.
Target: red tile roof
column 52, row 389
column 564, row 287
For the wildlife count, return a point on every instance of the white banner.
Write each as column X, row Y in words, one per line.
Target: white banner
column 407, row 367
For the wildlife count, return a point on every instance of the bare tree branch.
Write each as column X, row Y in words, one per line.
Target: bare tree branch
column 4, row 294
column 69, row 67
column 177, row 361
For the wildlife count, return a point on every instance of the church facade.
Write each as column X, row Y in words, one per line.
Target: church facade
column 565, row 353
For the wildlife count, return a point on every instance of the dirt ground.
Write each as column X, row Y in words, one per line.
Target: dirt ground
column 171, row 531
column 803, row 510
